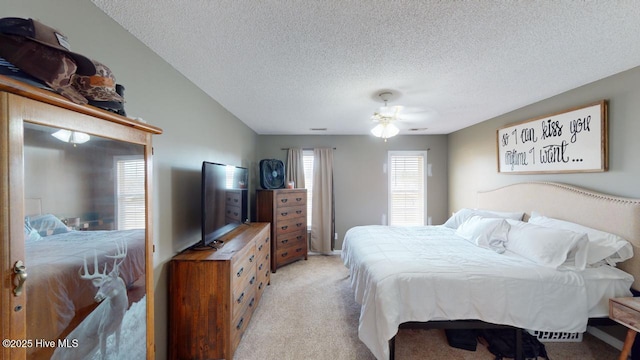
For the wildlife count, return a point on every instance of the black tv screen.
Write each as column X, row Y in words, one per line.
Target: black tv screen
column 224, row 199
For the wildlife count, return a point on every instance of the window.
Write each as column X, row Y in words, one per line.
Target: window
column 307, row 159
column 130, row 172
column 407, row 184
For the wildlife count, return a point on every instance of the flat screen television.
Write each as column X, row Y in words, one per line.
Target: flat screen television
column 224, row 200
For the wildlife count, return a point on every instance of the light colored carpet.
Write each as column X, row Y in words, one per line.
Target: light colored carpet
column 309, row 312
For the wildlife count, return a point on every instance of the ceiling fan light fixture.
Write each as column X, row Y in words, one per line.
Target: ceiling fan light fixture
column 385, row 116
column 385, row 130
column 72, row 137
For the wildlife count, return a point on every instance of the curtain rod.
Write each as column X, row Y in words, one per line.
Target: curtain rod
column 301, row 148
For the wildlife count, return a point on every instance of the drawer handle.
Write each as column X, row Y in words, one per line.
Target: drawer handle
column 260, row 286
column 251, row 258
column 298, row 212
column 240, row 272
column 253, row 279
column 299, row 224
column 298, row 199
column 240, row 298
column 253, row 300
column 260, row 267
column 298, row 249
column 284, row 241
column 266, row 240
column 284, row 213
column 284, row 200
column 299, row 237
column 284, row 227
column 260, row 247
column 266, row 273
column 267, row 257
column 235, row 200
column 284, row 254
column 240, row 324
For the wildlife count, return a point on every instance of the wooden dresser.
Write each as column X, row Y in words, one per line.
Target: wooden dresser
column 233, row 210
column 286, row 210
column 213, row 293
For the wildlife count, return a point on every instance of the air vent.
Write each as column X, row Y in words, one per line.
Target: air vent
column 318, row 129
column 418, row 129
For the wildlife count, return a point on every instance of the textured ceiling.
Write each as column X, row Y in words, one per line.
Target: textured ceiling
column 285, row 67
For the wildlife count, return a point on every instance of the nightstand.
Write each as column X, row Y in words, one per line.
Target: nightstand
column 626, row 311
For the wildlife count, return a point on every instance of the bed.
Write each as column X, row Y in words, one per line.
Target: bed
column 437, row 275
column 58, row 298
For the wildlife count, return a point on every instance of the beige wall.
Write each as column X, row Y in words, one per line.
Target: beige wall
column 196, row 128
column 360, row 185
column 472, row 151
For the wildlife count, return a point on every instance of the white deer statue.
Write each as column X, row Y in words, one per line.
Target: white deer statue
column 104, row 320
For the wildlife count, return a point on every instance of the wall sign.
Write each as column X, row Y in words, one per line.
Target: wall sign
column 574, row 140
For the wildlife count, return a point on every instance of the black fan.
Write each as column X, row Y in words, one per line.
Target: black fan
column 271, row 174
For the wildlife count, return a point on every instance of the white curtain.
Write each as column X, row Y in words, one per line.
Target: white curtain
column 322, row 221
column 295, row 168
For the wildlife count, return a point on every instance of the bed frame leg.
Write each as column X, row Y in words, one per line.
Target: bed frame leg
column 519, row 350
column 392, row 348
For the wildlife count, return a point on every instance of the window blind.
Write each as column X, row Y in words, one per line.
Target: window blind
column 407, row 188
column 307, row 159
column 130, row 192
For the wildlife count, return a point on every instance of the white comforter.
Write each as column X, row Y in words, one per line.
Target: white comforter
column 402, row 274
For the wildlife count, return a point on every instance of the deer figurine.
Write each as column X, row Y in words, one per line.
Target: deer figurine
column 92, row 333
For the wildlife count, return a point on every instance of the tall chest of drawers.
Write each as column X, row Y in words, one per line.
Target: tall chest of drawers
column 213, row 293
column 286, row 210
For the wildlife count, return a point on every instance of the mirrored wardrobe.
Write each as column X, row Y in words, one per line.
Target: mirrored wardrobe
column 76, row 229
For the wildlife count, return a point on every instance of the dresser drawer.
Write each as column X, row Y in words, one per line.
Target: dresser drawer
column 289, row 226
column 263, row 260
column 240, row 323
column 291, row 212
column 264, row 277
column 233, row 198
column 291, row 198
column 288, row 254
column 243, row 267
column 625, row 311
column 263, row 244
column 291, row 239
column 233, row 214
column 243, row 295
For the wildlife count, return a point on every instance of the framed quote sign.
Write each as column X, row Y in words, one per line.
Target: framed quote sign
column 574, row 140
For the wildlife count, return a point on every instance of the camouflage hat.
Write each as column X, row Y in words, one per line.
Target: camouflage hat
column 98, row 87
column 47, row 36
column 52, row 66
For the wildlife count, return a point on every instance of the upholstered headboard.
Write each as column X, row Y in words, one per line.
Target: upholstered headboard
column 32, row 206
column 616, row 215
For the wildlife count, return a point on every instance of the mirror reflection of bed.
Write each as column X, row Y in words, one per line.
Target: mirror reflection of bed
column 84, row 247
column 561, row 265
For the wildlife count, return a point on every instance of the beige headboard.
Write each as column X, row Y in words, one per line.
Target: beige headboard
column 616, row 215
column 32, row 206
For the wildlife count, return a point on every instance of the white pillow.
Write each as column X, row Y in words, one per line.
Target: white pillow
column 602, row 245
column 489, row 233
column 30, row 234
column 464, row 214
column 547, row 246
column 47, row 224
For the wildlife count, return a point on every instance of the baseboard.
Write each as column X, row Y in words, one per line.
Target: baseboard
column 611, row 340
column 332, row 253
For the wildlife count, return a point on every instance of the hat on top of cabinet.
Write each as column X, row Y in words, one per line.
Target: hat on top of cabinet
column 52, row 66
column 47, row 36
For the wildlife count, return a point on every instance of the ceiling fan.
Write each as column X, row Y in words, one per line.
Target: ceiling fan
column 385, row 118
